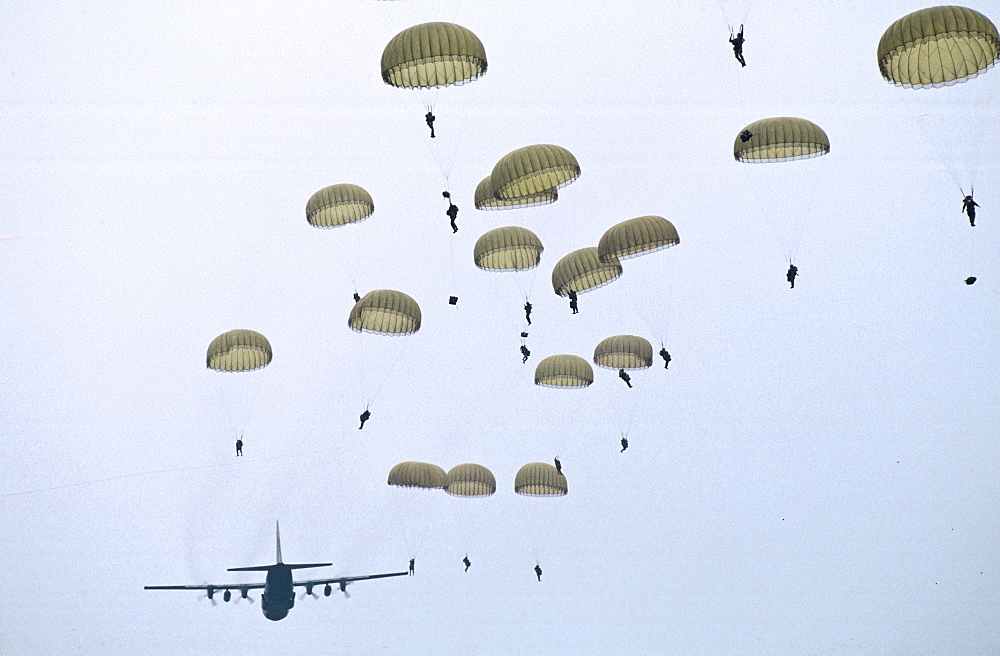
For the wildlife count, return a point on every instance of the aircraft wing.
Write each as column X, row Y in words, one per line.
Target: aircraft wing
column 342, row 581
column 213, row 587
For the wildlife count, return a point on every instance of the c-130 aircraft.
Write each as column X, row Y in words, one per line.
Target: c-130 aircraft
column 279, row 588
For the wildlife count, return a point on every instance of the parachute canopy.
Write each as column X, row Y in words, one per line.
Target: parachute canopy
column 533, row 170
column 385, row 312
column 937, row 47
column 470, row 480
column 239, row 350
column 582, row 271
column 540, row 479
column 624, row 352
column 417, row 474
column 433, row 55
column 339, row 205
column 508, row 249
column 486, row 200
column 780, row 139
column 635, row 237
column 564, row 371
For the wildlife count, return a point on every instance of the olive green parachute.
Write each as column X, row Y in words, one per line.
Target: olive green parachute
column 533, row 170
column 937, row 47
column 238, row 350
column 385, row 312
column 339, row 205
column 486, row 200
column 418, row 474
column 624, row 352
column 540, row 479
column 470, row 480
column 780, row 139
column 564, row 371
column 510, row 248
column 635, row 237
column 582, row 271
column 433, row 55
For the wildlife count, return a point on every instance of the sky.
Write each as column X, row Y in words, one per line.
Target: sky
column 815, row 473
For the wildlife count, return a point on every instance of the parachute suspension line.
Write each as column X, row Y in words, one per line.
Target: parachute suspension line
column 392, row 367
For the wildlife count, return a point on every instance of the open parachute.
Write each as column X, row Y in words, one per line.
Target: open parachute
column 564, row 371
column 781, row 139
column 624, row 352
column 938, row 46
column 433, row 55
column 470, row 480
column 540, row 479
column 339, row 205
column 533, row 172
column 385, row 312
column 421, row 475
column 239, row 350
column 583, row 271
column 486, row 199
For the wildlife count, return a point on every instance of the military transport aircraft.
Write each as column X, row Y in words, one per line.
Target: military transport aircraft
column 279, row 589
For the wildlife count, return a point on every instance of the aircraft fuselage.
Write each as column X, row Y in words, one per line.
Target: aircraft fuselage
column 279, row 594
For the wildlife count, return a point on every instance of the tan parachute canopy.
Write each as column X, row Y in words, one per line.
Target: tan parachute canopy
column 533, row 170
column 238, row 350
column 582, row 271
column 385, row 312
column 433, row 55
column 510, row 248
column 486, row 200
column 564, row 371
column 540, row 479
column 635, row 237
column 937, row 47
column 624, row 352
column 780, row 139
column 417, row 474
column 470, row 480
column 339, row 205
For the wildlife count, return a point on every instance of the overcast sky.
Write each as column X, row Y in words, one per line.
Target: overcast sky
column 815, row 473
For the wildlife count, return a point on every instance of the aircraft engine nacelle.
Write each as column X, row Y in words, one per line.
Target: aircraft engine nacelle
column 327, row 591
column 227, row 595
column 243, row 592
column 211, row 592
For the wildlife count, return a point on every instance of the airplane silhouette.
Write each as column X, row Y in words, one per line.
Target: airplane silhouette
column 279, row 588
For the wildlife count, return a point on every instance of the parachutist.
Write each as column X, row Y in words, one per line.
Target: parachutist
column 468, row 563
column 357, row 297
column 527, row 311
column 624, row 445
column 365, row 416
column 538, row 571
column 969, row 207
column 737, row 42
column 666, row 357
column 572, row 302
column 429, row 117
column 239, row 446
column 452, row 213
column 525, row 353
column 524, row 334
column 624, row 376
column 558, row 465
column 746, row 136
column 412, row 563
column 971, row 280
column 792, row 272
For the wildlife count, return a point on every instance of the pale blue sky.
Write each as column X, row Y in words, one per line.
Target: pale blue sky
column 816, row 472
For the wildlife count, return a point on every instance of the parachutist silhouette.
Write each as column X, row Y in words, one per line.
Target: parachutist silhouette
column 624, row 376
column 524, row 334
column 412, row 563
column 525, row 353
column 971, row 280
column 792, row 272
column 357, row 298
column 572, row 302
column 239, row 446
column 969, row 207
column 452, row 213
column 527, row 312
column 624, row 445
column 538, row 571
column 558, row 465
column 746, row 136
column 666, row 357
column 468, row 563
column 737, row 42
column 365, row 416
column 429, row 117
